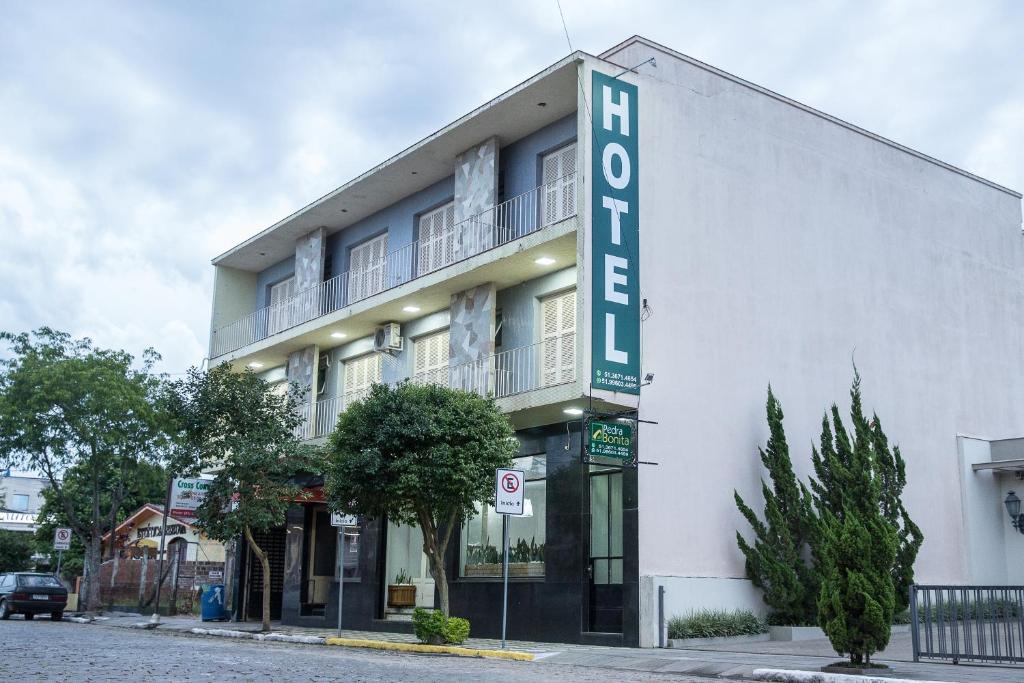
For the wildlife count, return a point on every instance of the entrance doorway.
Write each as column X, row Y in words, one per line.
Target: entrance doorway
column 321, row 561
column 605, row 570
column 272, row 542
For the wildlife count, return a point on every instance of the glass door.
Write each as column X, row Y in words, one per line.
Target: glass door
column 605, row 569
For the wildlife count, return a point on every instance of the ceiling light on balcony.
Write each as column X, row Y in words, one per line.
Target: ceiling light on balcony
column 255, row 365
column 545, row 261
column 411, row 309
column 338, row 335
column 573, row 411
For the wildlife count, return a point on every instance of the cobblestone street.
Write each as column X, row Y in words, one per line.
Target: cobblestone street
column 42, row 650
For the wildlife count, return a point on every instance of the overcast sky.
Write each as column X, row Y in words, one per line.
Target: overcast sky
column 138, row 140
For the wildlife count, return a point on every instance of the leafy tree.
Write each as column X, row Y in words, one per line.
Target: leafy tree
column 146, row 482
column 856, row 543
column 421, row 455
column 15, row 551
column 233, row 425
column 65, row 404
column 776, row 562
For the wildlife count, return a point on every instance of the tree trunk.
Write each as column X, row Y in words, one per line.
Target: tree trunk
column 265, row 564
column 93, row 562
column 441, row 583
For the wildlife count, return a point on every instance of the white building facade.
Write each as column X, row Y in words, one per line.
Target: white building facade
column 624, row 215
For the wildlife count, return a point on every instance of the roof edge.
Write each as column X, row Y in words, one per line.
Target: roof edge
column 575, row 56
column 807, row 108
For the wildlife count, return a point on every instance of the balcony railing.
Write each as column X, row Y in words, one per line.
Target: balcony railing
column 544, row 364
column 517, row 217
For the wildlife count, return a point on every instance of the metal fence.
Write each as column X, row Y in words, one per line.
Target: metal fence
column 968, row 623
column 514, row 218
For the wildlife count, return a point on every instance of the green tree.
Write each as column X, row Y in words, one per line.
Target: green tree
column 777, row 561
column 856, row 544
column 892, row 479
column 423, row 455
column 233, row 425
column 146, row 482
column 65, row 404
column 15, row 551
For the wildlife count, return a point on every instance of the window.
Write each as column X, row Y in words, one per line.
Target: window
column 558, row 177
column 430, row 365
column 348, row 558
column 360, row 376
column 38, row 581
column 481, row 550
column 281, row 306
column 367, row 268
column 19, row 502
column 436, row 239
column 558, row 339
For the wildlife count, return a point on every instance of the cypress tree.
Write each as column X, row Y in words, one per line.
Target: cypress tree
column 855, row 543
column 776, row 561
column 893, row 478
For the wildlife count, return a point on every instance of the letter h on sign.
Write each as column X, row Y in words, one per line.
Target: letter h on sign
column 615, row 237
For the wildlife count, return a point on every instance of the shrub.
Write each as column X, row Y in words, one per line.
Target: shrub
column 432, row 626
column 716, row 624
column 456, row 630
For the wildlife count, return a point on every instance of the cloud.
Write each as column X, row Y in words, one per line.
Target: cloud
column 147, row 138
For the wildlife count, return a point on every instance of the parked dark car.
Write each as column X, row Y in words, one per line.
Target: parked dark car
column 30, row 594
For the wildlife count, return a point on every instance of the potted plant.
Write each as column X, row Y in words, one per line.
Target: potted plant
column 402, row 593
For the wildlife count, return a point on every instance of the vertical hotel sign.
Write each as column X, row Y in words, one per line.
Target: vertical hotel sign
column 615, row 238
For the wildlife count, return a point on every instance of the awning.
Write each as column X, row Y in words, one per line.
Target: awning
column 1000, row 465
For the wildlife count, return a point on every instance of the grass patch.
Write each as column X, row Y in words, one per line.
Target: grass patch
column 716, row 624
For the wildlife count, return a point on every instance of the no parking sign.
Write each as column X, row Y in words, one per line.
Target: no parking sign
column 509, row 492
column 62, row 539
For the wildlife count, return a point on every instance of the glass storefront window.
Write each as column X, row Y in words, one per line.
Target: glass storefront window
column 481, row 551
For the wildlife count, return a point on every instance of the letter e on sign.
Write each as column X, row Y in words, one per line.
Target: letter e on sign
column 509, row 492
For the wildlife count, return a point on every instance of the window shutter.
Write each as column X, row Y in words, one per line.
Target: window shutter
column 431, row 359
column 360, row 375
column 559, row 182
column 558, row 325
column 367, row 268
column 281, row 304
column 437, row 238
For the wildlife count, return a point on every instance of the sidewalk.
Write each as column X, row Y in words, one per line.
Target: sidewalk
column 719, row 661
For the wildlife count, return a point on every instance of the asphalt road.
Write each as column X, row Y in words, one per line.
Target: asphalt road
column 42, row 650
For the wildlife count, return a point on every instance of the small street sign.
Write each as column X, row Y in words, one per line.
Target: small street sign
column 215, row 575
column 338, row 519
column 62, row 539
column 510, row 489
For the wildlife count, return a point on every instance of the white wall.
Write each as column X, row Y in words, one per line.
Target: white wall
column 777, row 246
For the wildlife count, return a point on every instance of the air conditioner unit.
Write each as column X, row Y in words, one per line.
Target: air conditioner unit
column 388, row 338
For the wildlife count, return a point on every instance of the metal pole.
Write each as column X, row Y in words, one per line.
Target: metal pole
column 155, row 619
column 504, row 575
column 60, row 555
column 341, row 573
column 661, row 616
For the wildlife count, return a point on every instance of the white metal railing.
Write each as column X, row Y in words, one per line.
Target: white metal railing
column 498, row 225
column 546, row 363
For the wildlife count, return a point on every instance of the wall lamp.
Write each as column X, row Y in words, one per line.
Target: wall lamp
column 1012, row 504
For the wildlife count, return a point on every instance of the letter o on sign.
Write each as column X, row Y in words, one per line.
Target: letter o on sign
column 615, row 150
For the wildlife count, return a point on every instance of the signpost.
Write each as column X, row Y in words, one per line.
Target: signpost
column 61, row 542
column 341, row 521
column 509, row 499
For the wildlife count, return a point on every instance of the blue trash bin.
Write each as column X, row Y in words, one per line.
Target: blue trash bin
column 212, row 603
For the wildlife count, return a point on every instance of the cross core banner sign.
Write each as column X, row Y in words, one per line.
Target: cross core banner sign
column 615, row 237
column 186, row 496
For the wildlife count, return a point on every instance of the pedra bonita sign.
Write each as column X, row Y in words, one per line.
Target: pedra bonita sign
column 615, row 237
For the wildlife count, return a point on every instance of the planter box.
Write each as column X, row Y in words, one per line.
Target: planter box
column 401, row 595
column 515, row 569
column 723, row 640
column 854, row 671
column 791, row 633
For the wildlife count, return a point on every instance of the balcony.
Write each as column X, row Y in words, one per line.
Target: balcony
column 513, row 219
column 548, row 363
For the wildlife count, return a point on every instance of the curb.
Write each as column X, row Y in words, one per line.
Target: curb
column 789, row 676
column 431, row 649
